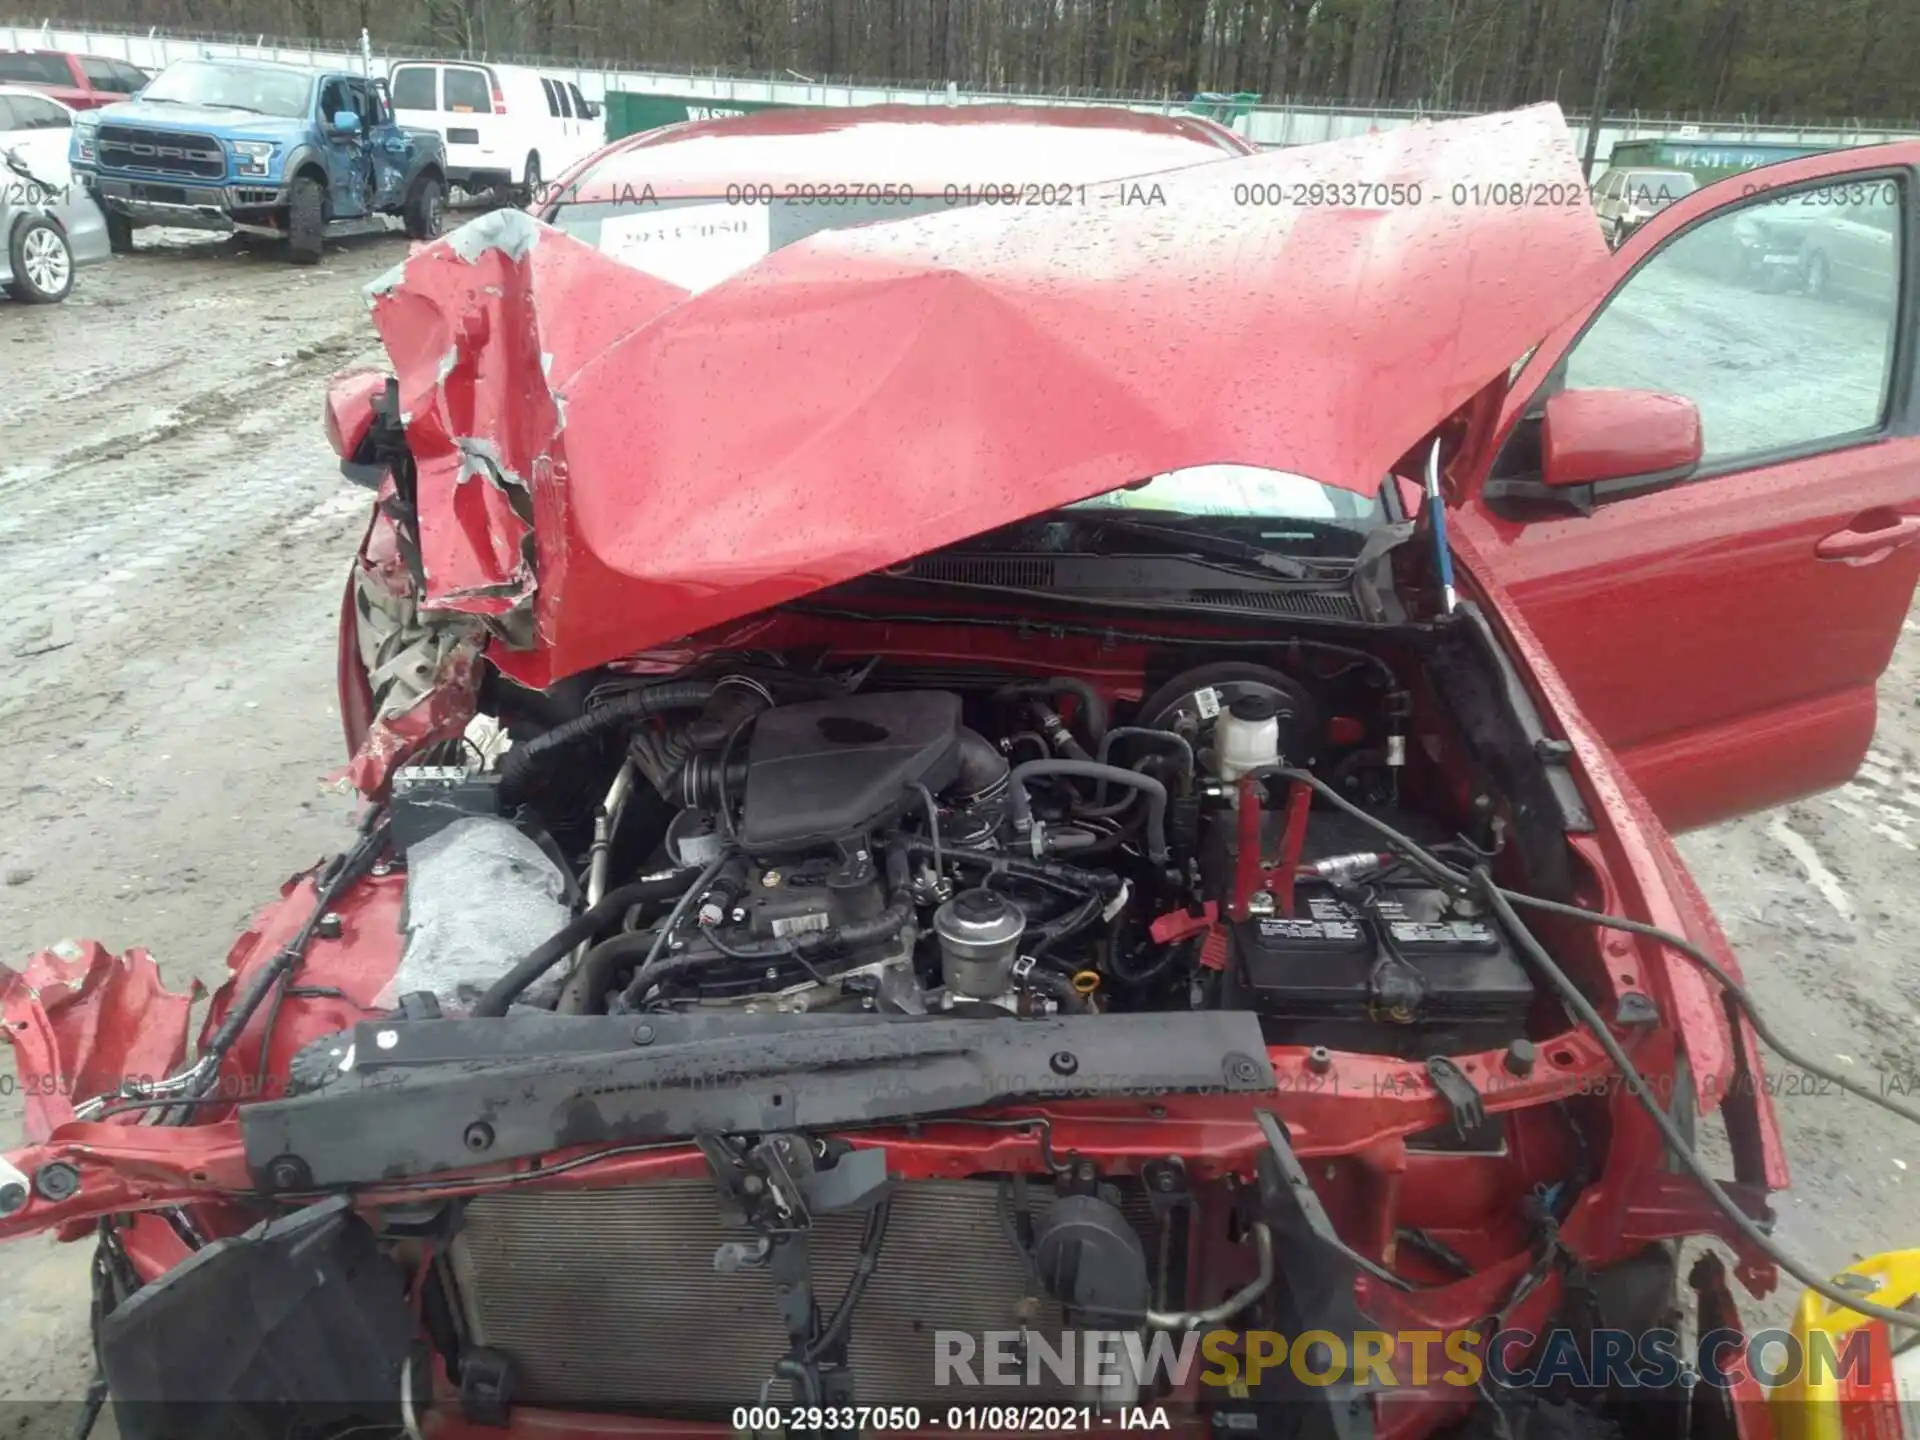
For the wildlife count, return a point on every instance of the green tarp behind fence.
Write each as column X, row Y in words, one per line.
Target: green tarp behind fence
column 629, row 113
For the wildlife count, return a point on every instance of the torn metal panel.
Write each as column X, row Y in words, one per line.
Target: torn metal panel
column 440, row 712
column 482, row 326
column 82, row 1021
column 873, row 393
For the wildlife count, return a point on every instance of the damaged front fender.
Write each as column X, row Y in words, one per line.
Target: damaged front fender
column 84, row 1022
column 486, row 328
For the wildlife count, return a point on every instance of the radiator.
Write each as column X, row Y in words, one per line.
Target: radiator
column 608, row 1299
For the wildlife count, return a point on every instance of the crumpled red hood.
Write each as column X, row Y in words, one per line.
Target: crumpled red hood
column 606, row 463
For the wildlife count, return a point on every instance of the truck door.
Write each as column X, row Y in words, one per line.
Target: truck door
column 349, row 171
column 388, row 147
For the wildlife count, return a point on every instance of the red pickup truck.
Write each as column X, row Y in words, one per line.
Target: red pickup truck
column 85, row 82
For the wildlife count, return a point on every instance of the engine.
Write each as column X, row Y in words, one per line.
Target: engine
column 906, row 842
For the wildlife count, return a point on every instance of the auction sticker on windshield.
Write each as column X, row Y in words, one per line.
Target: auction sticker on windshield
column 1225, row 490
column 692, row 246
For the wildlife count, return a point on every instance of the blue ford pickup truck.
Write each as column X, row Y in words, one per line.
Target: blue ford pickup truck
column 259, row 149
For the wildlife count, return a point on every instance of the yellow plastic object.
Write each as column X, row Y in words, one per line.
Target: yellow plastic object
column 1085, row 982
column 1819, row 1405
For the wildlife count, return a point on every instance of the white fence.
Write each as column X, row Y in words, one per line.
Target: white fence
column 1265, row 124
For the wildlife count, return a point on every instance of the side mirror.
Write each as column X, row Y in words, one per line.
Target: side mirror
column 1592, row 435
column 346, row 122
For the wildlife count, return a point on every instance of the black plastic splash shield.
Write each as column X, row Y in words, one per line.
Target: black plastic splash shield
column 299, row 1325
column 435, row 1095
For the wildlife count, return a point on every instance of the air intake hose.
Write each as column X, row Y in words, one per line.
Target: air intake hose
column 523, row 760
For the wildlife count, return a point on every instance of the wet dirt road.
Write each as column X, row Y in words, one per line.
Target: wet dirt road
column 173, row 540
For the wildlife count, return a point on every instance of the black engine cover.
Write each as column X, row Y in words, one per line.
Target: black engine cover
column 835, row 769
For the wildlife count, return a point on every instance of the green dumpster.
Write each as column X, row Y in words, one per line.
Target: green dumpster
column 628, row 113
column 1217, row 105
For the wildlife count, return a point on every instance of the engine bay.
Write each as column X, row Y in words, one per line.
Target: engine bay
column 764, row 836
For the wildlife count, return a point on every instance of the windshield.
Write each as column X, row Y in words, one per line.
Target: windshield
column 24, row 68
column 698, row 242
column 258, row 88
column 1245, row 492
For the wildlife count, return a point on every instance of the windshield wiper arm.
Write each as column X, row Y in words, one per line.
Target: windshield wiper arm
column 1200, row 542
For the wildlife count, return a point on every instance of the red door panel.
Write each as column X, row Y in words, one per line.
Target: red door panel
column 1724, row 661
column 1724, row 632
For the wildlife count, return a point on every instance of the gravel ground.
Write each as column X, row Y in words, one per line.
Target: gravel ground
column 173, row 541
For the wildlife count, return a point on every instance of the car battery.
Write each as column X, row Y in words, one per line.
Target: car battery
column 1413, row 973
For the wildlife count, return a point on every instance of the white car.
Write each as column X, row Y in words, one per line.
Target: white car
column 46, row 232
column 36, row 127
column 506, row 127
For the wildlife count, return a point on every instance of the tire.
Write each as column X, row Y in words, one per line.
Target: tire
column 532, row 182
column 119, row 232
column 306, row 220
column 1815, row 275
column 42, row 263
column 426, row 208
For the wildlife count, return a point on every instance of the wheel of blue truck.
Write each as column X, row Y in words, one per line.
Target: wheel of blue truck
column 426, row 208
column 306, row 220
column 42, row 263
column 119, row 232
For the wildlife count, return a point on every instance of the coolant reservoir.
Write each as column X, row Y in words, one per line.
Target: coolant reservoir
column 1879, row 1400
column 1246, row 737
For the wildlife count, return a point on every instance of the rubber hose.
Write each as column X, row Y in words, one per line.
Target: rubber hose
column 1155, row 792
column 1106, row 811
column 981, row 766
column 585, row 926
column 1165, row 738
column 597, row 967
column 884, row 926
column 1059, row 732
column 852, row 935
column 1107, row 844
column 1064, row 878
column 1093, row 710
column 519, row 763
column 1169, row 955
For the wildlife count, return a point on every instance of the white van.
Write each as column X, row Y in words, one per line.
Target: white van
column 507, row 127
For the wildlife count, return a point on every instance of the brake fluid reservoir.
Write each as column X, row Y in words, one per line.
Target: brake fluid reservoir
column 1246, row 737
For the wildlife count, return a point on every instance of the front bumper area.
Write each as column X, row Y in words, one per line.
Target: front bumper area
column 326, row 1311
column 254, row 208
